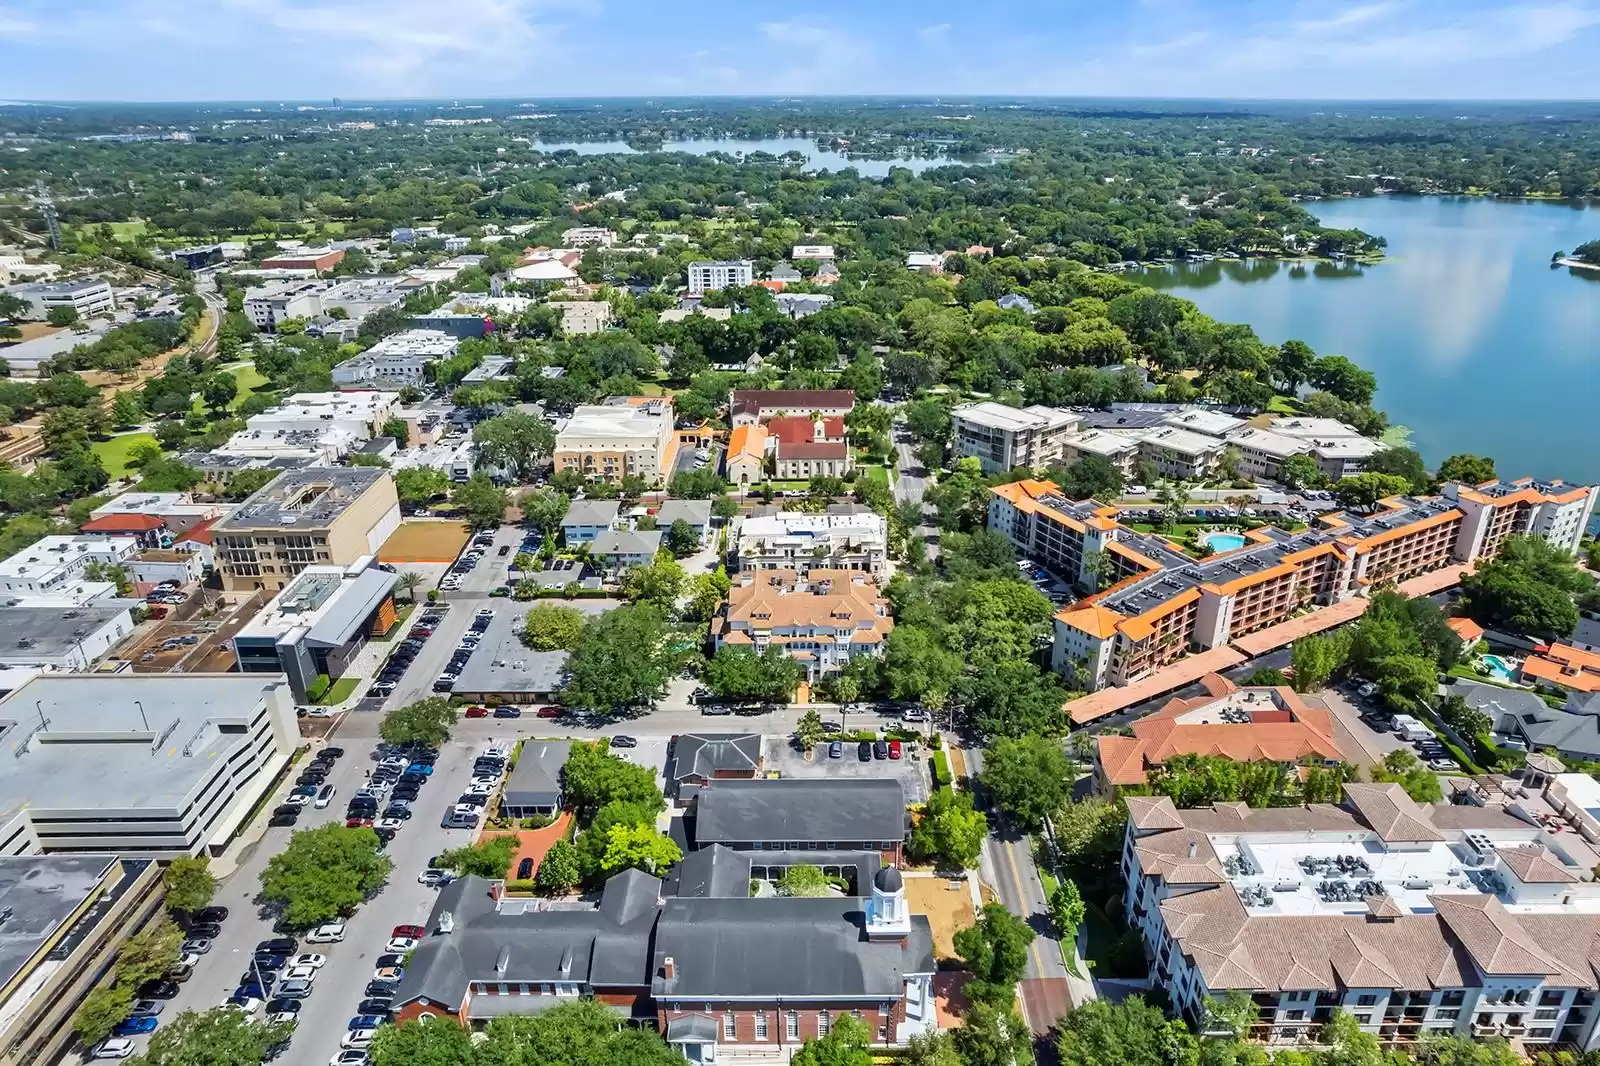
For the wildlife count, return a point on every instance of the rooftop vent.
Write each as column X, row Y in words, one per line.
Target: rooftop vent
column 503, row 960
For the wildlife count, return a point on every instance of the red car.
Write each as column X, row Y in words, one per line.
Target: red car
column 477, row 712
column 358, row 823
column 415, row 932
column 422, row 631
column 548, row 712
column 894, row 749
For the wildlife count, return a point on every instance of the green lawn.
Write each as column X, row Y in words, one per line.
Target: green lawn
column 113, row 452
column 249, row 378
column 874, row 473
column 339, row 691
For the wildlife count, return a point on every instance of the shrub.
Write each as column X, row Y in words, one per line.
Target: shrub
column 520, row 888
column 942, row 777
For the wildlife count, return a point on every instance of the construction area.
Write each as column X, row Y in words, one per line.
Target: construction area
column 200, row 644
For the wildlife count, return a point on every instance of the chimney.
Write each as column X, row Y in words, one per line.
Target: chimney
column 1193, row 847
column 669, row 968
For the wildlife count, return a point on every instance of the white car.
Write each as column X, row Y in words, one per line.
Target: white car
column 118, row 1047
column 248, row 1005
column 331, row 933
column 402, row 944
column 394, row 762
column 299, row 973
column 357, row 1039
column 188, row 959
column 287, row 1016
column 325, row 797
column 476, row 789
column 483, row 782
column 349, row 1058
column 396, row 824
column 321, row 712
column 296, row 800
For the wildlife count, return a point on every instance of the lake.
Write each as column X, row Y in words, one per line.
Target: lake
column 1478, row 345
column 816, row 158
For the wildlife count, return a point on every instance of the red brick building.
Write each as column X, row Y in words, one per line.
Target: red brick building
column 318, row 259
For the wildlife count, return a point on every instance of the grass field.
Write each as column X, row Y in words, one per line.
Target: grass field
column 113, row 452
column 249, row 378
column 339, row 691
column 874, row 473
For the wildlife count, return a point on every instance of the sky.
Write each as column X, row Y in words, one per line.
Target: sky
column 528, row 49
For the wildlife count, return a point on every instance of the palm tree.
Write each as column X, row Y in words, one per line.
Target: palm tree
column 1173, row 497
column 408, row 583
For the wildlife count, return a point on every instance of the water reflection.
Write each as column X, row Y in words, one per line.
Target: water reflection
column 815, row 158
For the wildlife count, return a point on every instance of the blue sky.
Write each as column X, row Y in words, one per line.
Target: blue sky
column 312, row 49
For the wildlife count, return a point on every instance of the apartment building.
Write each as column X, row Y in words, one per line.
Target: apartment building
column 625, row 435
column 1156, row 603
column 1262, row 452
column 1275, row 724
column 396, row 361
column 90, row 296
column 1340, row 450
column 329, row 516
column 822, row 618
column 51, row 565
column 1004, row 438
column 1555, row 510
column 1121, row 452
column 144, row 765
column 589, row 237
column 1468, row 919
column 1180, row 453
column 800, row 541
column 709, row 277
column 584, row 316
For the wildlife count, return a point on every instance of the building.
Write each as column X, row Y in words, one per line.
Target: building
column 178, row 511
column 1015, row 301
column 695, row 760
column 534, row 788
column 1156, row 603
column 745, row 462
column 67, row 916
column 51, row 565
column 784, row 274
column 798, row 305
column 803, row 814
column 589, row 237
column 1243, row 724
column 552, row 271
column 273, row 304
column 697, row 513
column 803, row 447
column 1121, row 452
column 813, row 251
column 151, row 766
column 317, row 624
column 1563, row 668
column 361, row 412
column 90, row 296
column 503, row 670
column 1525, row 722
column 618, row 549
column 1468, row 919
column 926, row 262
column 1003, row 438
column 625, row 435
column 359, row 297
column 331, row 516
column 748, row 406
column 683, row 314
column 709, row 277
column 1180, row 453
column 823, row 618
column 458, row 324
column 1262, row 452
column 584, row 316
column 457, row 244
column 317, row 259
column 587, row 519
column 801, row 541
column 149, row 530
column 1555, row 510
column 396, row 361
column 38, row 635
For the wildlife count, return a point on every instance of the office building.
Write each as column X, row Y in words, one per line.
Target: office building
column 362, row 413
column 144, row 765
column 800, row 541
column 1469, row 919
column 316, row 259
column 91, row 296
column 272, row 304
column 458, row 324
column 813, row 251
column 709, row 277
column 822, row 618
column 626, row 435
column 1004, row 438
column 318, row 624
column 331, row 516
column 396, row 361
column 40, row 635
column 589, row 237
column 53, row 564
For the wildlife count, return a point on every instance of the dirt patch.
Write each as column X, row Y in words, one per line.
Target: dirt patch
column 949, row 909
column 32, row 331
column 950, row 998
column 425, row 541
column 958, row 762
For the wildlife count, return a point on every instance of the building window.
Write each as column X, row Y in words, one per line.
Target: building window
column 761, row 1025
column 791, row 1025
column 822, row 1023
column 1366, row 1000
column 729, row 1023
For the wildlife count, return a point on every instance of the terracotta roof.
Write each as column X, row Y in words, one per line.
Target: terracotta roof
column 1099, row 622
column 1469, row 631
column 1392, row 814
column 1121, row 759
column 1383, row 905
column 1535, row 865
column 1566, row 667
column 1153, row 812
column 747, row 440
column 1495, row 939
column 810, row 450
column 199, row 533
column 833, row 600
column 754, row 401
column 118, row 523
column 797, row 429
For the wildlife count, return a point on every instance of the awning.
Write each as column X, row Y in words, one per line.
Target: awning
column 692, row 1029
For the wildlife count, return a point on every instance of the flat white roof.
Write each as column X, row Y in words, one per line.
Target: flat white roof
column 1312, row 427
column 605, row 420
column 1098, row 442
column 46, row 555
column 1275, row 444
column 1211, row 423
column 1001, row 416
column 1182, row 441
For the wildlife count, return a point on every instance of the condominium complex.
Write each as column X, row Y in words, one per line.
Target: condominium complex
column 1003, row 438
column 1470, row 918
column 396, row 361
column 146, row 765
column 799, row 541
column 823, row 618
column 625, row 435
column 1156, row 603
column 304, row 517
column 709, row 277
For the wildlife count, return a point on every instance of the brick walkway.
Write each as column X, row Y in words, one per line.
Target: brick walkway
column 533, row 843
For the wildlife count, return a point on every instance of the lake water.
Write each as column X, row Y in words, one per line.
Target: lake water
column 1478, row 345
column 816, row 158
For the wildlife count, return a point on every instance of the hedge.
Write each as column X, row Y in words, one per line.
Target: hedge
column 521, row 887
column 942, row 777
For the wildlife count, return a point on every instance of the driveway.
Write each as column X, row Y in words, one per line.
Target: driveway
column 784, row 757
column 1355, row 738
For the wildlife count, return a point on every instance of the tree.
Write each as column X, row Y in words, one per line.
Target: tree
column 846, row 1044
column 1091, row 477
column 995, row 949
column 1528, row 588
column 1292, row 366
column 1346, row 380
column 917, row 667
column 427, row 721
column 1129, row 1033
column 418, row 485
column 1362, row 492
column 656, row 584
column 218, row 390
column 126, row 410
column 810, row 730
column 424, row 1042
column 544, row 508
column 1401, row 462
column 488, row 858
column 514, row 440
column 621, row 661
column 639, row 847
column 323, row 874
column 1405, row 769
column 681, row 539
column 706, row 593
column 409, row 582
column 724, row 507
column 745, row 674
column 190, row 884
column 1301, row 472
column 149, row 954
column 997, row 1036
column 552, row 627
column 803, row 879
column 1066, row 910
column 61, row 315
column 1029, row 777
column 398, row 430
column 583, row 1032
column 593, row 778
column 1467, row 468
column 559, row 871
column 1012, row 698
column 950, row 831
column 102, row 1010
column 220, row 1036
column 482, row 502
column 1316, row 658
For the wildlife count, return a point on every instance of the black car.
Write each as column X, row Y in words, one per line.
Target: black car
column 280, row 821
column 269, row 961
column 507, row 712
column 331, row 752
column 382, row 989
column 384, row 835
column 404, row 791
column 375, row 1006
column 280, row 945
column 286, row 1006
column 211, row 914
column 289, row 810
column 864, row 751
column 158, row 989
column 880, row 750
column 311, row 777
column 205, row 931
column 401, row 813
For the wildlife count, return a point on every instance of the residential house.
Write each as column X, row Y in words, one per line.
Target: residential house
column 619, row 549
column 534, row 787
column 695, row 760
column 697, row 513
column 587, row 519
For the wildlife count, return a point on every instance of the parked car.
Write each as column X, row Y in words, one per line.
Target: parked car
column 299, row 988
column 864, row 751
column 836, row 749
column 158, row 988
column 507, row 712
column 547, row 712
column 114, row 1048
column 894, row 749
column 375, row 1005
column 435, row 878
column 280, row 945
column 880, row 750
column 382, row 989
column 147, row 1008
column 414, row 932
column 195, row 946
column 135, row 1026
column 622, row 741
column 357, row 1057
column 205, row 931
column 477, row 712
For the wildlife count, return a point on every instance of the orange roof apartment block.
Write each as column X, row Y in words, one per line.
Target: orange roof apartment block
column 1243, row 724
column 1564, row 667
column 824, row 618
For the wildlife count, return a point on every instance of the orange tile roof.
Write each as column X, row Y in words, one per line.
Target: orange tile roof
column 1469, row 631
column 120, row 522
column 771, row 601
column 1099, row 622
column 747, row 441
column 1566, row 667
column 1174, row 676
column 1121, row 759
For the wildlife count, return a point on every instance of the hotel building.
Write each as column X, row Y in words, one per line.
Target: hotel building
column 625, row 435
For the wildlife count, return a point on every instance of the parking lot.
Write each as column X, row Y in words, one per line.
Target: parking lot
column 787, row 758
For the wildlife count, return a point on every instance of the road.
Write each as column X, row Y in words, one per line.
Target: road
column 1007, row 863
column 912, row 483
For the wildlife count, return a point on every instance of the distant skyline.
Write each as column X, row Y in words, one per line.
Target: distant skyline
column 198, row 50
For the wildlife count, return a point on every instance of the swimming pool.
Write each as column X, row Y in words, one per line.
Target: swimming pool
column 1498, row 668
column 1223, row 542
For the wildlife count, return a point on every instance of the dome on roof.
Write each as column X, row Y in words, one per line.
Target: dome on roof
column 888, row 880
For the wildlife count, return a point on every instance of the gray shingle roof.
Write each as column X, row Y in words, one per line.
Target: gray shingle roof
column 626, row 542
column 590, row 513
column 703, row 754
column 536, row 782
column 799, row 809
column 695, row 512
column 715, row 872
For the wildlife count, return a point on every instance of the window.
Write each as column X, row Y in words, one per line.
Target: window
column 761, row 1025
column 1539, row 1034
column 1366, row 1000
column 791, row 1025
column 1294, row 1016
column 822, row 1023
column 1551, row 999
column 1363, row 1019
column 728, row 1025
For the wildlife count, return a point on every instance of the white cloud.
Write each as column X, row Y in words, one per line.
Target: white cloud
column 935, row 34
column 820, row 58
